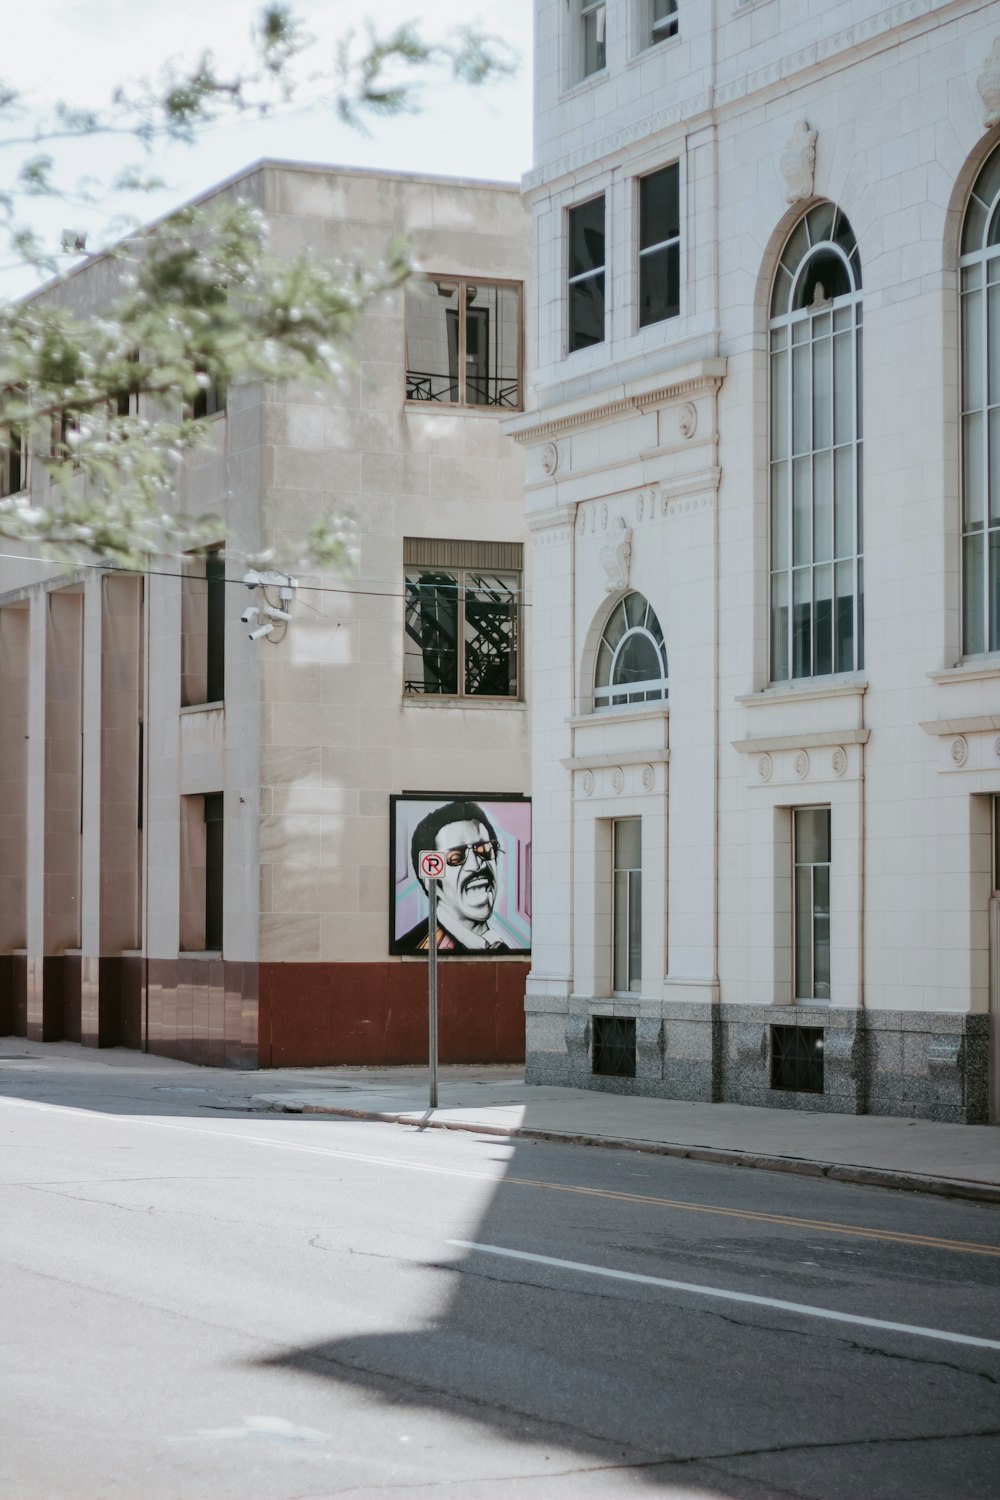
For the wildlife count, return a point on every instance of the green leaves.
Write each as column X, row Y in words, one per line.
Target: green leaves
column 195, row 303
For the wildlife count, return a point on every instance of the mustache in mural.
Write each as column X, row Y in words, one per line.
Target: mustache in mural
column 484, row 874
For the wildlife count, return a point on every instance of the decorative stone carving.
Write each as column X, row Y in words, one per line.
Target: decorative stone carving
column 687, row 419
column 798, row 163
column 960, row 750
column 802, row 765
column 604, row 518
column 988, row 84
column 587, row 783
column 648, row 778
column 616, row 554
column 996, row 747
column 617, row 780
column 765, row 768
column 550, row 459
column 839, row 761
column 640, row 505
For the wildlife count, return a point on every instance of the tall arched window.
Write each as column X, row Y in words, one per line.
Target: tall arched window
column 980, row 269
column 631, row 658
column 816, row 542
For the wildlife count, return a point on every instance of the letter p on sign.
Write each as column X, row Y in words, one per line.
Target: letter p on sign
column 431, row 864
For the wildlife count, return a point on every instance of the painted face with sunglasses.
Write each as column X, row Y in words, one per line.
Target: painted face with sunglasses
column 468, row 890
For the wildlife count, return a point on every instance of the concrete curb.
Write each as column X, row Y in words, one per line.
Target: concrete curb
column 911, row 1182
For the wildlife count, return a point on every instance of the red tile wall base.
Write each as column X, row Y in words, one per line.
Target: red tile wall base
column 247, row 1015
column 363, row 1015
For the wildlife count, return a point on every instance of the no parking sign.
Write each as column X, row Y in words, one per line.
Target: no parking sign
column 431, row 866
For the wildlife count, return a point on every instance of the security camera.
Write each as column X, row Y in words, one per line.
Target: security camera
column 252, row 578
column 275, row 614
column 261, row 631
column 250, row 614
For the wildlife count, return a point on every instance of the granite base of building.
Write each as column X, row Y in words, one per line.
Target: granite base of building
column 930, row 1066
column 231, row 1014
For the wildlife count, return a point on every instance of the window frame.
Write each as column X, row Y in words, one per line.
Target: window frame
column 590, row 274
column 212, row 576
column 799, row 916
column 461, row 565
column 18, row 445
column 586, row 9
column 626, row 955
column 647, row 251
column 668, row 25
column 649, row 690
column 974, row 282
column 462, row 404
column 793, row 463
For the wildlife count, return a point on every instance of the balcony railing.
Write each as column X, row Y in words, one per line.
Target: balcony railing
column 480, row 390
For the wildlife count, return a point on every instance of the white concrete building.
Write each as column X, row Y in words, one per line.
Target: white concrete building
column 195, row 825
column 767, row 588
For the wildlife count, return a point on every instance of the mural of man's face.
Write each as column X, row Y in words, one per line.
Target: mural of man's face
column 469, row 886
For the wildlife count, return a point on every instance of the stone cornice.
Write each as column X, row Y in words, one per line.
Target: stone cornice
column 703, row 376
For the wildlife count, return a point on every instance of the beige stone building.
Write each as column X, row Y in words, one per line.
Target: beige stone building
column 195, row 823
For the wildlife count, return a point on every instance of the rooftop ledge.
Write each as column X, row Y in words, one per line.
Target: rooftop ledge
column 682, row 383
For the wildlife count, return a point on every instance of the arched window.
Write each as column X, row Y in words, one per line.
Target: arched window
column 631, row 658
column 980, row 271
column 816, row 542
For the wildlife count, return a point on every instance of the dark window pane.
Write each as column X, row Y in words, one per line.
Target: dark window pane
column 491, row 636
column 586, row 237
column 825, row 270
column 638, row 661
column 659, row 285
column 215, row 576
column 659, row 207
column 431, row 340
column 214, row 827
column 586, row 313
column 431, row 648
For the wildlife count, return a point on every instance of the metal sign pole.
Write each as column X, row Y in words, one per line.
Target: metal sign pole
column 432, row 997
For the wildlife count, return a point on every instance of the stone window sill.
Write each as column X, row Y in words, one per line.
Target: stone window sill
column 812, row 688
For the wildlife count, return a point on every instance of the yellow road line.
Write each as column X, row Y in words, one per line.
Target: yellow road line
column 821, row 1226
column 824, row 1226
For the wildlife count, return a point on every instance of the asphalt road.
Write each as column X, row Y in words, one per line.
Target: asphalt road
column 198, row 1304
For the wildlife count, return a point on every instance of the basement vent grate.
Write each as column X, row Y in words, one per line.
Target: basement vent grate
column 614, row 1046
column 797, row 1059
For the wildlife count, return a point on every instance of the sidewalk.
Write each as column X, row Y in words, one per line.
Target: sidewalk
column 956, row 1161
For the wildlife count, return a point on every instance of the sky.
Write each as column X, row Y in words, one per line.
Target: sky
column 79, row 51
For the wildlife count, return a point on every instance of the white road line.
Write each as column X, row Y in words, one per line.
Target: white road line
column 728, row 1296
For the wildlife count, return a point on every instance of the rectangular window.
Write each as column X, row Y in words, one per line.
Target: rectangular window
column 627, row 912
column 210, row 400
column 662, row 22
column 203, row 629
column 463, row 342
column 811, row 855
column 659, row 246
column 462, row 618
column 13, row 464
column 125, row 401
column 593, row 26
column 214, row 826
column 586, row 274
column 202, row 829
